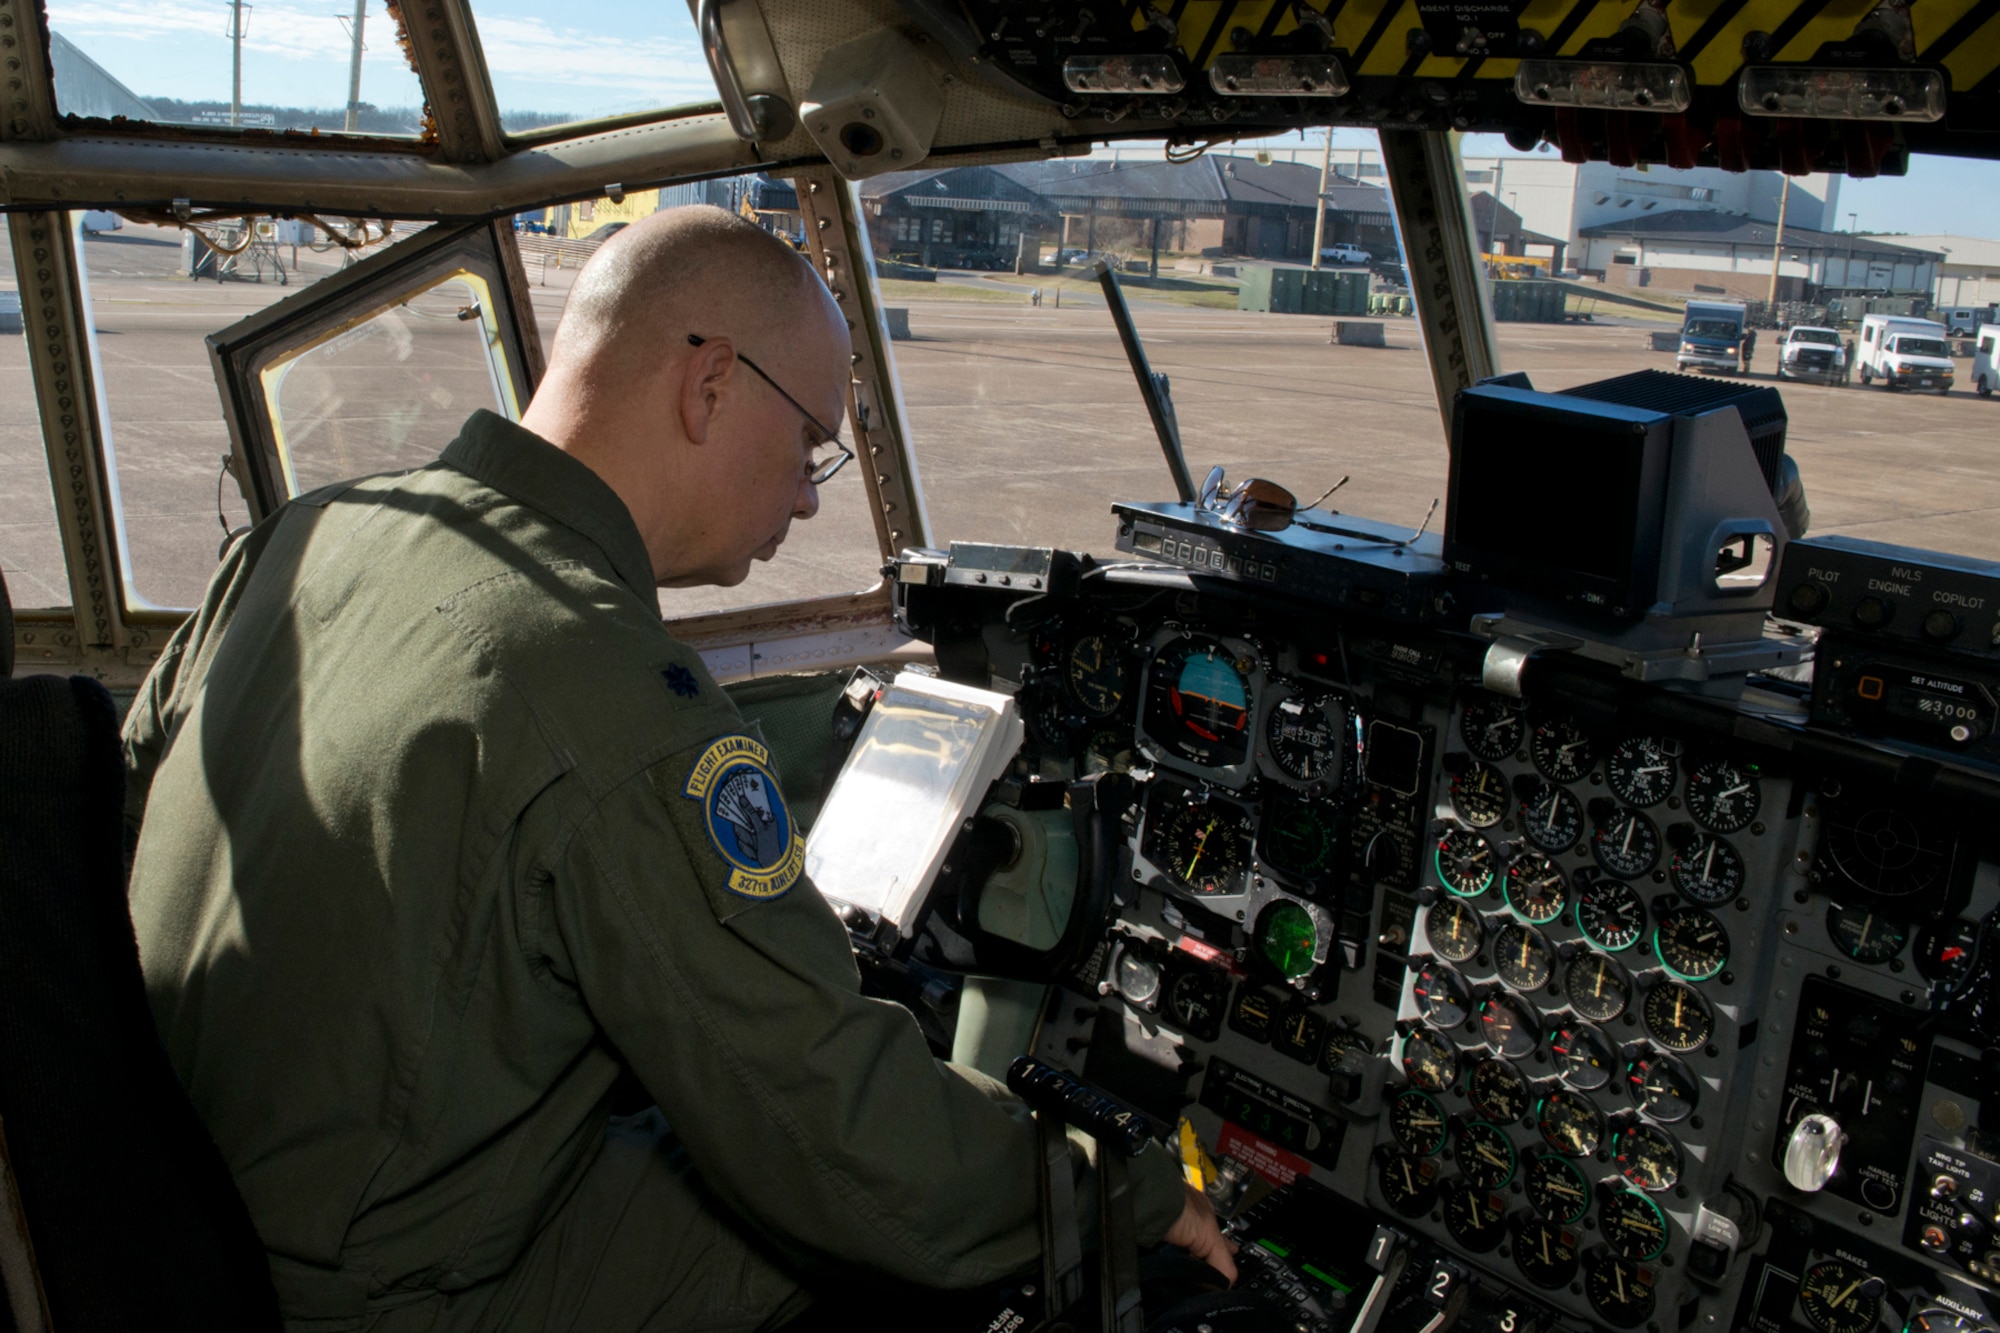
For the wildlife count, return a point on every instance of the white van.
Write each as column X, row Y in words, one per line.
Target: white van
column 1986, row 361
column 1904, row 353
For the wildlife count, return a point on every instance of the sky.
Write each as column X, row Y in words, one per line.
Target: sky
column 586, row 57
column 593, row 58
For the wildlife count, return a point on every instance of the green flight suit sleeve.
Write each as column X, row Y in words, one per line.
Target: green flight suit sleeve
column 817, row 1113
column 160, row 702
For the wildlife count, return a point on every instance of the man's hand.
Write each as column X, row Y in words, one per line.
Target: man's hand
column 1198, row 1234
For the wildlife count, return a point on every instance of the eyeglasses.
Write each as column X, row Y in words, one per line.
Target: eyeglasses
column 820, row 475
column 1256, row 504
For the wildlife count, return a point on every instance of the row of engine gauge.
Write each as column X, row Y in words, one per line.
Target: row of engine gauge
column 1474, row 1042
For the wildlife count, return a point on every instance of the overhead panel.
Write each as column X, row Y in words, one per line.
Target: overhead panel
column 1839, row 85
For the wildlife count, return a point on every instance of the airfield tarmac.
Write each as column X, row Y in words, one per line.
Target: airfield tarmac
column 1026, row 422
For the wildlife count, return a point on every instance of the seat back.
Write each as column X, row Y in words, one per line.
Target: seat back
column 134, row 1220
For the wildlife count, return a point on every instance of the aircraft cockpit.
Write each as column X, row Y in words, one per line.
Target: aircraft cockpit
column 1338, row 647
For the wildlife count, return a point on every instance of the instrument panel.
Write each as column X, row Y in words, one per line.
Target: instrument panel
column 1631, row 1010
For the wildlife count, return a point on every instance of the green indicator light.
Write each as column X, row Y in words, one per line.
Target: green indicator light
column 1275, row 1248
column 1327, row 1278
column 1287, row 936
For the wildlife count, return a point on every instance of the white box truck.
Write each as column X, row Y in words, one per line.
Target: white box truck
column 1904, row 353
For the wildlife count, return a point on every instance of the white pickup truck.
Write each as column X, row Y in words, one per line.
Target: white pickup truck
column 1812, row 354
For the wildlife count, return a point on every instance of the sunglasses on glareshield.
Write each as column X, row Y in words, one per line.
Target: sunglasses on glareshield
column 820, row 475
column 1256, row 504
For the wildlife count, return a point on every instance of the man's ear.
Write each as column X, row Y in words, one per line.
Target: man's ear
column 702, row 382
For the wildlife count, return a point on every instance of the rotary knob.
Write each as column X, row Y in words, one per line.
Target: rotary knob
column 1813, row 1152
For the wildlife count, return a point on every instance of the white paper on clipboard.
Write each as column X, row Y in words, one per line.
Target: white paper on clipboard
column 920, row 767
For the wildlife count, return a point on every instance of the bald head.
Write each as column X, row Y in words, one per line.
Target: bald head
column 707, row 446
column 673, row 274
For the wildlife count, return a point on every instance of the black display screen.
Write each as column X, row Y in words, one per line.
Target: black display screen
column 1558, row 497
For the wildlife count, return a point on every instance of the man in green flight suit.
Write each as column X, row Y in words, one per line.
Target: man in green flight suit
column 442, row 831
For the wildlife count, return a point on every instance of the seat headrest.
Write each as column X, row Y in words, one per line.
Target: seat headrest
column 6, row 631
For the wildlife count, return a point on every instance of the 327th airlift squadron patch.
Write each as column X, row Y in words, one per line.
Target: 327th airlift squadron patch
column 746, row 817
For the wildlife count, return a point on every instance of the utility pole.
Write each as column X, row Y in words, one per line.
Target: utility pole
column 1778, row 246
column 1319, row 213
column 236, row 8
column 354, row 68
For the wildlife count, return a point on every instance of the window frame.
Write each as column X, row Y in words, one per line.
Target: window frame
column 243, row 353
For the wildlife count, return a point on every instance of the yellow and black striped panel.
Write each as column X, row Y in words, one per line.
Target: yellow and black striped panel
column 1960, row 36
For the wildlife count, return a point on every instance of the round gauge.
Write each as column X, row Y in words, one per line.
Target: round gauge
column 1522, row 957
column 1545, row 1253
column 1708, row 870
column 1442, row 996
column 1479, row 794
column 1550, row 816
column 1647, row 1157
column 1837, row 1297
column 1535, row 889
column 1301, row 840
column 1429, row 1062
column 1863, row 936
column 1109, row 750
column 1287, row 938
column 1098, row 671
column 1663, row 1087
column 1596, row 987
column 1723, row 796
column 1136, row 974
column 1508, row 1026
column 1408, row 1182
column 1464, row 862
column 1584, row 1056
column 1945, row 951
column 1305, row 734
column 1196, row 998
column 1345, row 1050
column 1484, row 1156
column 1418, row 1123
column 1453, row 929
column 1691, row 944
column 1626, row 843
column 1562, row 751
column 1569, row 1123
column 1677, row 1017
column 1475, row 1218
column 1641, row 770
column 1198, row 701
column 1497, row 1090
column 1633, row 1225
column 1609, row 914
column 1620, row 1291
column 1203, row 844
column 1883, row 852
column 1940, row 1320
column 1491, row 729
column 1299, row 1032
column 1556, row 1189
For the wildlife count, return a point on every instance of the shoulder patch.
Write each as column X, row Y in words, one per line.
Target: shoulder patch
column 681, row 681
column 746, row 818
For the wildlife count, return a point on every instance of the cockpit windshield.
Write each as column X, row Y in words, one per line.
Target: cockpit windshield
column 1712, row 328
column 1827, row 336
column 1908, row 346
column 1025, row 417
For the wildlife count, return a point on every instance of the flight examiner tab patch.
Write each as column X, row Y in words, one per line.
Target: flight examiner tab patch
column 746, row 817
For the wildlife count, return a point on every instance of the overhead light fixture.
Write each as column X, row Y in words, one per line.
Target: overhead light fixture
column 1146, row 75
column 1603, row 85
column 1841, row 94
column 1240, row 75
